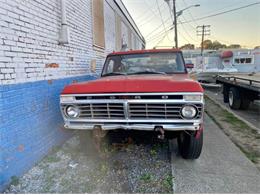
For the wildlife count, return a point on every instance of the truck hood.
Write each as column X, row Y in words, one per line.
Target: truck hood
column 136, row 84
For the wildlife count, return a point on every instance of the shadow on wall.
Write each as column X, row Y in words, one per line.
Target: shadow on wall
column 30, row 123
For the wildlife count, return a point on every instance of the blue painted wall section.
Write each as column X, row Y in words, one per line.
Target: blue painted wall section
column 30, row 124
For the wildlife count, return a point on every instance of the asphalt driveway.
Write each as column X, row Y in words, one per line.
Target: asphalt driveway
column 222, row 167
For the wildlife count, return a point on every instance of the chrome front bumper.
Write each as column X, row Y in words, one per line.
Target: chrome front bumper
column 144, row 127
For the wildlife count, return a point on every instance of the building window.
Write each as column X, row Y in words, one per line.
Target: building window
column 248, row 60
column 98, row 23
column 243, row 60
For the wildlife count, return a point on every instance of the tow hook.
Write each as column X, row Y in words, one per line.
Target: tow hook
column 161, row 131
column 98, row 134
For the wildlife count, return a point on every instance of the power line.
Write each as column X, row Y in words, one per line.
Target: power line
column 224, row 12
column 166, row 34
column 149, row 9
column 197, row 19
column 158, row 27
column 169, row 6
column 190, row 14
column 148, row 19
column 225, row 7
column 159, row 33
column 187, row 32
column 145, row 14
column 204, row 17
column 184, row 37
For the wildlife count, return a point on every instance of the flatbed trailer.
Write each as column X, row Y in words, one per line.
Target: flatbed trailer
column 240, row 89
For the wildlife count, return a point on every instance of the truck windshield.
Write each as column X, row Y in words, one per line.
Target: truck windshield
column 147, row 63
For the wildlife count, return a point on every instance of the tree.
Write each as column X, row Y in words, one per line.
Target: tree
column 217, row 45
column 188, row 46
column 207, row 44
column 234, row 46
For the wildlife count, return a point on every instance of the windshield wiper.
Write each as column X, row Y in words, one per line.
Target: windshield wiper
column 113, row 74
column 147, row 72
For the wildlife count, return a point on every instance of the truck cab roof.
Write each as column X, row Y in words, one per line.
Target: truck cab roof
column 144, row 51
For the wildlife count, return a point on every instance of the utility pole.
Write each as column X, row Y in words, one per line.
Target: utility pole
column 175, row 16
column 175, row 24
column 203, row 31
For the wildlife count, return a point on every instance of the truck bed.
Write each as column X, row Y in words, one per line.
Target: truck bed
column 244, row 80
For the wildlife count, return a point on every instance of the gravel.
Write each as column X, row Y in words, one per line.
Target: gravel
column 133, row 163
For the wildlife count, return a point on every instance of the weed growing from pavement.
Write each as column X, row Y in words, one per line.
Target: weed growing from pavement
column 103, row 168
column 14, row 180
column 250, row 155
column 146, row 177
column 167, row 182
column 52, row 159
column 153, row 152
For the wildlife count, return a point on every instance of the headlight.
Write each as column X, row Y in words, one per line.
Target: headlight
column 188, row 112
column 66, row 99
column 72, row 111
column 192, row 97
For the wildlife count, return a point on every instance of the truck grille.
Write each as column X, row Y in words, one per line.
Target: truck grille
column 158, row 111
column 133, row 110
column 102, row 111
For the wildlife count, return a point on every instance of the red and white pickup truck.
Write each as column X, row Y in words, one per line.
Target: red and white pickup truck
column 140, row 90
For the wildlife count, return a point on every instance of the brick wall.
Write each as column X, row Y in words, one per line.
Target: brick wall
column 34, row 68
column 29, row 40
column 110, row 28
column 30, row 123
column 30, row 33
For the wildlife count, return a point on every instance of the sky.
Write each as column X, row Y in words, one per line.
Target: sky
column 238, row 27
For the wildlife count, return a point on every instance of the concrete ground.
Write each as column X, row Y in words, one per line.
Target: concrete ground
column 221, row 168
column 251, row 115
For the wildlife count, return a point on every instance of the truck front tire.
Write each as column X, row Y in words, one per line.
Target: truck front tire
column 190, row 146
column 234, row 98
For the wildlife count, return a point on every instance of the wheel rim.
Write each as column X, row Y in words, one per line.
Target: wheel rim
column 230, row 98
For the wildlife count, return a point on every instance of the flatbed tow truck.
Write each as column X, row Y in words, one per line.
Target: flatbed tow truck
column 240, row 89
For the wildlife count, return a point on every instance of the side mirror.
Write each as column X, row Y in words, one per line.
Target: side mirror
column 189, row 65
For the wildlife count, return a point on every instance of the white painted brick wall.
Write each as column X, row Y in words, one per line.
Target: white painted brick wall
column 110, row 28
column 124, row 33
column 30, row 33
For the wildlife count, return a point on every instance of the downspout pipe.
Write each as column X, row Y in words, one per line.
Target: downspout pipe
column 64, row 32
